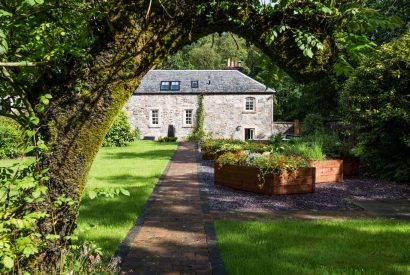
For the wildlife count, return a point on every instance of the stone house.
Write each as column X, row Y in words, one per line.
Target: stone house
column 235, row 105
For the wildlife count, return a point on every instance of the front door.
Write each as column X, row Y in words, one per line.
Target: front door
column 249, row 133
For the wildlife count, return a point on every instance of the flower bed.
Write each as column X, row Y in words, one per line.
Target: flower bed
column 268, row 173
column 213, row 148
column 248, row 179
column 328, row 170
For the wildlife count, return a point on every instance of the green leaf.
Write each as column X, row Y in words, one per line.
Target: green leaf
column 92, row 195
column 4, row 46
column 34, row 120
column 8, row 262
column 4, row 13
column 308, row 52
column 52, row 237
column 125, row 192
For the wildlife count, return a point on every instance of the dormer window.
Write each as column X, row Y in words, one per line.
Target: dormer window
column 194, row 84
column 165, row 85
column 175, row 86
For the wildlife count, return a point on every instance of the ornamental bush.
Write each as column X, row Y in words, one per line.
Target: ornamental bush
column 120, row 133
column 313, row 124
column 11, row 137
column 377, row 99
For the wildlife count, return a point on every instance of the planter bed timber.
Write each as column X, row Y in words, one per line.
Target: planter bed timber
column 246, row 178
column 350, row 166
column 328, row 170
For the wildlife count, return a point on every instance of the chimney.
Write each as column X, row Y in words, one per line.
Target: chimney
column 234, row 65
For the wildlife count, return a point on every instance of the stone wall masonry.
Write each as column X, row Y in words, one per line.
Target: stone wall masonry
column 224, row 115
column 284, row 128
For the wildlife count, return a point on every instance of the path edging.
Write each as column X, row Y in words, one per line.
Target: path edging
column 217, row 265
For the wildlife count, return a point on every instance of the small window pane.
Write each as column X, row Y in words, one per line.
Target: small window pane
column 154, row 117
column 165, row 86
column 250, row 104
column 188, row 117
column 194, row 84
column 175, row 85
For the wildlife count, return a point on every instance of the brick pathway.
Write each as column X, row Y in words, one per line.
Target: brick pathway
column 172, row 239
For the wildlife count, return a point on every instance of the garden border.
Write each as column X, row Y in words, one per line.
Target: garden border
column 217, row 265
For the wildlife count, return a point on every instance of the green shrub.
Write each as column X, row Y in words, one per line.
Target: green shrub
column 276, row 141
column 308, row 151
column 216, row 145
column 329, row 143
column 120, row 133
column 376, row 99
column 278, row 163
column 11, row 137
column 167, row 139
column 256, row 147
column 313, row 124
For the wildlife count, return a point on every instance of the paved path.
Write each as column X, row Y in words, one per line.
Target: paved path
column 172, row 239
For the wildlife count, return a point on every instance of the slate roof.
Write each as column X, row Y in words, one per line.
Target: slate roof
column 210, row 82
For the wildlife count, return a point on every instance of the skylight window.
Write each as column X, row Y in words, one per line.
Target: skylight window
column 165, row 85
column 175, row 85
column 194, row 84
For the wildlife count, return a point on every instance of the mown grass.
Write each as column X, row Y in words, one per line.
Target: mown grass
column 137, row 168
column 315, row 247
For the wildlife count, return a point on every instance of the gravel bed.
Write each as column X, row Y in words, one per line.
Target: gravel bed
column 329, row 196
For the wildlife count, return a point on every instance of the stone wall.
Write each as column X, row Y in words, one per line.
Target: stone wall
column 224, row 115
column 284, row 128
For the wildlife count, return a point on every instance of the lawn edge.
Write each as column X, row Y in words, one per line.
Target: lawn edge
column 217, row 265
column 124, row 248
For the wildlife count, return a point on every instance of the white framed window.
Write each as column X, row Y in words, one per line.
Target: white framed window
column 154, row 118
column 175, row 86
column 188, row 117
column 165, row 85
column 249, row 133
column 250, row 104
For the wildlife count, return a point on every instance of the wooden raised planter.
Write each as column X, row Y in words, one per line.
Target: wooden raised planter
column 350, row 166
column 328, row 170
column 246, row 178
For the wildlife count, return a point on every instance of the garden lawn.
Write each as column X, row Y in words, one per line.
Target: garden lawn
column 315, row 247
column 136, row 168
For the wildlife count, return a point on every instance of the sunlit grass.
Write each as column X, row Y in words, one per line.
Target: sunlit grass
column 315, row 247
column 137, row 168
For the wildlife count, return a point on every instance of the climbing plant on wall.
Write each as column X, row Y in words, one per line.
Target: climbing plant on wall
column 198, row 133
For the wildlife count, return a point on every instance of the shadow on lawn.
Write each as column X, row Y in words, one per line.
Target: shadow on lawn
column 127, row 178
column 149, row 155
column 345, row 247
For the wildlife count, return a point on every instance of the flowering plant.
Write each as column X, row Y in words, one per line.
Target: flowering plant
column 238, row 158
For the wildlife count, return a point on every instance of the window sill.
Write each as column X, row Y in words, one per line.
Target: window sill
column 187, row 126
column 248, row 112
column 154, row 126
